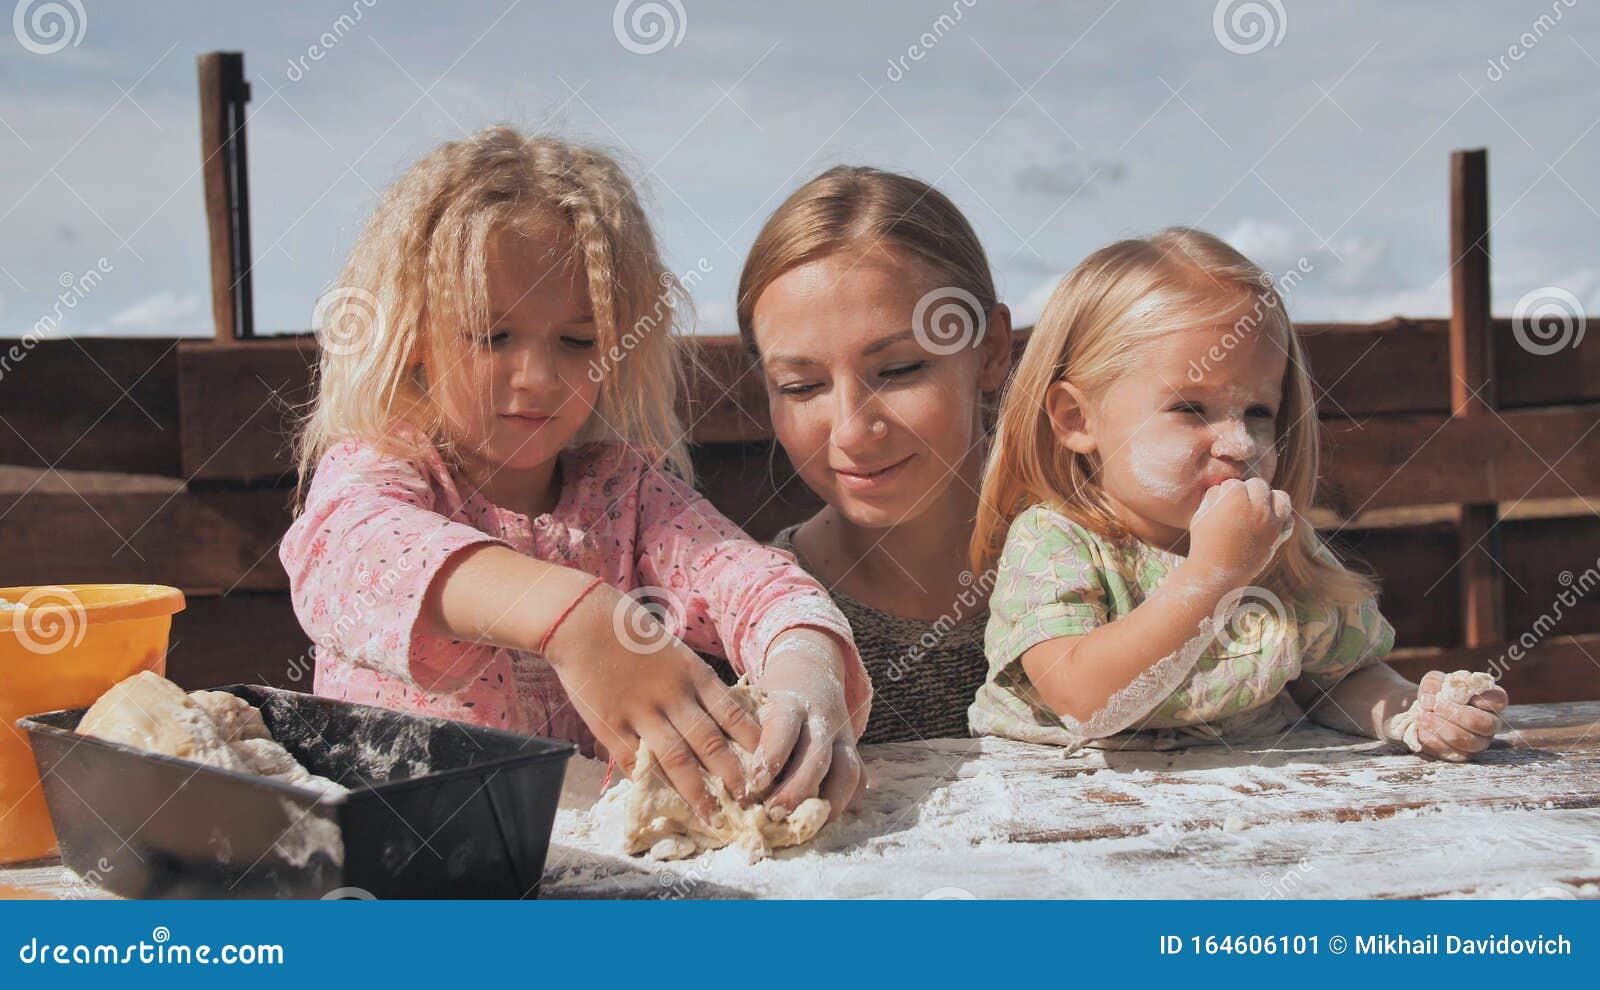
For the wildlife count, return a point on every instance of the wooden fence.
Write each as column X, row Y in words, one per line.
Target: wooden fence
column 1463, row 468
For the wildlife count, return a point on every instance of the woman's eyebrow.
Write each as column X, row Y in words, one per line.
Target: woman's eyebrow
column 801, row 361
column 888, row 341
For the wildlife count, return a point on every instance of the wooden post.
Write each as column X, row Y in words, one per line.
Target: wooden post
column 1472, row 387
column 223, row 95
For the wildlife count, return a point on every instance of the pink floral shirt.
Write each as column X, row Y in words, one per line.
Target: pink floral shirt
column 376, row 528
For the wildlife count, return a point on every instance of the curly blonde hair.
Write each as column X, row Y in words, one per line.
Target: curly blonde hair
column 1119, row 298
column 417, row 278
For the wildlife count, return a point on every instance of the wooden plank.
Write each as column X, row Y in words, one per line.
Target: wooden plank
column 119, row 412
column 223, row 95
column 1316, row 814
column 240, row 401
column 1473, row 387
column 1381, row 368
column 1423, row 460
column 1555, row 669
column 66, row 529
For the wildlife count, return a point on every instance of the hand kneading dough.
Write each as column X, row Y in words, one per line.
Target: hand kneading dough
column 650, row 816
column 149, row 712
column 1459, row 687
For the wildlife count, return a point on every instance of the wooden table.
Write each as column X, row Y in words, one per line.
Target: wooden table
column 1316, row 815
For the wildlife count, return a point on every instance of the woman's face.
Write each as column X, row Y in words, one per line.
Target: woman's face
column 876, row 422
column 534, row 357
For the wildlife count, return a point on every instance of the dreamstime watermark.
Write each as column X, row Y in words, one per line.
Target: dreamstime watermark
column 974, row 592
column 1548, row 320
column 1275, row 291
column 659, row 317
column 348, row 319
column 1245, row 27
column 928, row 40
column 1242, row 617
column 74, row 290
column 1528, row 40
column 47, row 619
column 650, row 26
column 328, row 40
column 1575, row 587
column 644, row 618
column 949, row 894
column 1286, row 884
column 947, row 320
column 47, row 27
column 372, row 588
column 77, row 886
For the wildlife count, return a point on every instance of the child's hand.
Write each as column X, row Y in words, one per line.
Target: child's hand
column 1448, row 730
column 805, row 724
column 659, row 692
column 1239, row 526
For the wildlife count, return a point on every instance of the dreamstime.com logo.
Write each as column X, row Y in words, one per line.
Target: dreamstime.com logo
column 1548, row 320
column 347, row 320
column 645, row 618
column 648, row 27
column 48, row 27
column 947, row 320
column 159, row 951
column 1245, row 27
column 47, row 619
column 1244, row 615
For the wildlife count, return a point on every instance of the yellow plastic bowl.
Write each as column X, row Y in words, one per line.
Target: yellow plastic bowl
column 65, row 648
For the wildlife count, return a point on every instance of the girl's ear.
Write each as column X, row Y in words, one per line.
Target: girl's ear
column 1068, row 410
column 996, row 346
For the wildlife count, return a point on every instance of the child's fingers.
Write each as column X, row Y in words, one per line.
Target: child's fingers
column 1455, row 737
column 805, row 778
column 1475, row 720
column 780, row 731
column 710, row 746
column 843, row 782
column 1435, row 746
column 683, row 770
column 1428, row 688
column 1493, row 700
column 739, row 724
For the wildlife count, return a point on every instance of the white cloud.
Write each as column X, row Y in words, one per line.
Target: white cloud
column 165, row 311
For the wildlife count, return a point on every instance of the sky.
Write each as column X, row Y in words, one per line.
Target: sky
column 1311, row 135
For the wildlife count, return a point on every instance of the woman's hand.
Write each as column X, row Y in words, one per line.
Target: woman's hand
column 1455, row 732
column 805, row 725
column 632, row 680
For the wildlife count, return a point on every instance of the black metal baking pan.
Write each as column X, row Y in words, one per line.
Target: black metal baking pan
column 436, row 809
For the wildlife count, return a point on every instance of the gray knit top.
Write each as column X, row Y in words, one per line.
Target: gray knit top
column 924, row 674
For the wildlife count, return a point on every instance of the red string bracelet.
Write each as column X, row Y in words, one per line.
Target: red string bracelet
column 545, row 641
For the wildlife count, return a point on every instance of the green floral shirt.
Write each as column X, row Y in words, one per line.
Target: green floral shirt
column 1057, row 578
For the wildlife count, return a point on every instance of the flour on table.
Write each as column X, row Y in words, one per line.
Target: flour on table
column 649, row 816
column 149, row 712
column 1459, row 687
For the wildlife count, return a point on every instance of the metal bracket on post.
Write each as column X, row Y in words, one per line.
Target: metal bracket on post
column 223, row 95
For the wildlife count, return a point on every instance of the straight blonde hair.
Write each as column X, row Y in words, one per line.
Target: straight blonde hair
column 855, row 206
column 415, row 290
column 1092, row 330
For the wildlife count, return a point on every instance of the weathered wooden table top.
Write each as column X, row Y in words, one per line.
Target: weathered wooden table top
column 1319, row 814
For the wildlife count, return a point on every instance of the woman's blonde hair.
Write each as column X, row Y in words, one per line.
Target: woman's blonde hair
column 1121, row 297
column 853, row 206
column 415, row 290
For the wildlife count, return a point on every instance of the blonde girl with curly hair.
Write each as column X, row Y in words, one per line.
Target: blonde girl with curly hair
column 495, row 479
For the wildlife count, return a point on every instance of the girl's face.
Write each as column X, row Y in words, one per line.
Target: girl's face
column 1182, row 421
column 535, row 357
column 874, row 422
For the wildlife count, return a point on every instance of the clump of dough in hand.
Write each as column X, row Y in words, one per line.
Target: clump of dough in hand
column 149, row 712
column 1459, row 687
column 649, row 816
